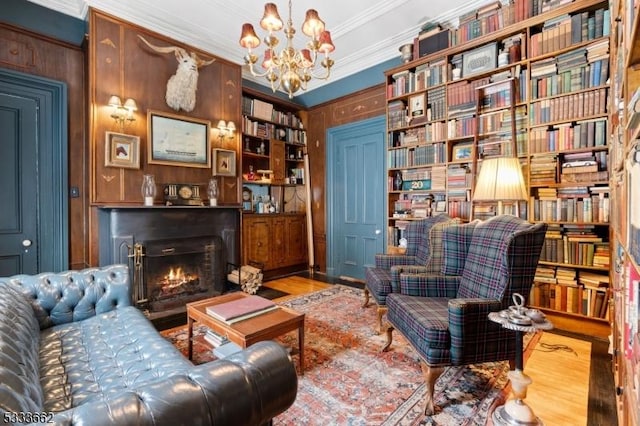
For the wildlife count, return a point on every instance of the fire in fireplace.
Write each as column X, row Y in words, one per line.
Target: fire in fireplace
column 170, row 273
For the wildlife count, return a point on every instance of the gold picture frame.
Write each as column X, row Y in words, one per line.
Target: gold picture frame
column 176, row 140
column 461, row 152
column 121, row 150
column 224, row 162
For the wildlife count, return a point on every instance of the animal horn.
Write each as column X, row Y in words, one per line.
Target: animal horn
column 202, row 63
column 168, row 49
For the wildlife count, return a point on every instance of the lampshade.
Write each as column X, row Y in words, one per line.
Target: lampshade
column 326, row 44
column 500, row 179
column 271, row 20
column 114, row 101
column 130, row 105
column 222, row 125
column 231, row 126
column 248, row 37
column 312, row 25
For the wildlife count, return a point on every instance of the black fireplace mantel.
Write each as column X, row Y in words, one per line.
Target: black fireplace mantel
column 120, row 227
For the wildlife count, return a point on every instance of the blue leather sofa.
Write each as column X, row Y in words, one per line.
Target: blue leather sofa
column 74, row 351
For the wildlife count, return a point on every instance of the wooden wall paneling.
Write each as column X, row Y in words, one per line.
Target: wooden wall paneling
column 359, row 106
column 121, row 64
column 316, row 145
column 230, row 97
column 25, row 51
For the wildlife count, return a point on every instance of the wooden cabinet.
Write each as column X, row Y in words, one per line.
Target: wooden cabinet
column 445, row 114
column 277, row 243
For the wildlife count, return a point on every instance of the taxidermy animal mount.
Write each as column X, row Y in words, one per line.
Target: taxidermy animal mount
column 182, row 86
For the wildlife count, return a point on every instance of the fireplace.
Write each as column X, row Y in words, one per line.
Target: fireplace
column 176, row 255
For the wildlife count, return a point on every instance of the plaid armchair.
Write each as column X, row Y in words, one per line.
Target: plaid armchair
column 384, row 277
column 445, row 317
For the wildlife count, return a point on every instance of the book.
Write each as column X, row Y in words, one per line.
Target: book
column 241, row 309
column 226, row 349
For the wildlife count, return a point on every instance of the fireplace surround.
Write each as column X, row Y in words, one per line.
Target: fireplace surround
column 176, row 254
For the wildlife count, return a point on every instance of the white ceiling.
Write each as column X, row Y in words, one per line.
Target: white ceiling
column 365, row 32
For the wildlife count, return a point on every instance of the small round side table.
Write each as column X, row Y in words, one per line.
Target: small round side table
column 518, row 318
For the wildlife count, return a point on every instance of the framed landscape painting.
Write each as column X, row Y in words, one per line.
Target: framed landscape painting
column 176, row 140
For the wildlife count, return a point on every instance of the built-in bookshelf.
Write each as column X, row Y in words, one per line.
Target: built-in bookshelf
column 274, row 237
column 624, row 166
column 446, row 111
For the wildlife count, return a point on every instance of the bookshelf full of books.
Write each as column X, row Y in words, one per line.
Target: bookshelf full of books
column 624, row 159
column 449, row 108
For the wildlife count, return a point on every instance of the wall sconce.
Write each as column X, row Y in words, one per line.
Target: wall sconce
column 226, row 129
column 122, row 114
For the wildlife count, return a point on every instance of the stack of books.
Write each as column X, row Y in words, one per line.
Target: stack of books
column 241, row 309
column 215, row 339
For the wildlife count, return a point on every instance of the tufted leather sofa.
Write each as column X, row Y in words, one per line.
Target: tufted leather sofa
column 72, row 345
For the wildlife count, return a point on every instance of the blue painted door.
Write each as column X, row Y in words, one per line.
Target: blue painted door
column 18, row 171
column 356, row 197
column 33, row 174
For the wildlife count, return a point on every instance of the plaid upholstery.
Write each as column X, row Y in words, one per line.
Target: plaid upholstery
column 503, row 248
column 436, row 248
column 425, row 324
column 379, row 280
column 428, row 285
column 446, row 318
column 455, row 241
column 417, row 235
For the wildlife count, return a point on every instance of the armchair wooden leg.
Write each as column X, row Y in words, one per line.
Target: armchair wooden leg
column 389, row 337
column 430, row 374
column 381, row 311
column 366, row 297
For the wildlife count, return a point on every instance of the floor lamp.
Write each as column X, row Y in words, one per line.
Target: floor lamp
column 500, row 179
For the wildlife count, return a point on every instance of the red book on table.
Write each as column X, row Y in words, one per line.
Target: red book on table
column 239, row 309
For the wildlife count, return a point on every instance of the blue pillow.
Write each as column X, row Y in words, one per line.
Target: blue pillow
column 455, row 241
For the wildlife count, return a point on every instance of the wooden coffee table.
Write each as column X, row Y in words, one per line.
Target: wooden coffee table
column 245, row 333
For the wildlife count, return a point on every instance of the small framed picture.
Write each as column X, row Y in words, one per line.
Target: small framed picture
column 122, row 151
column 224, row 162
column 461, row 152
column 417, row 107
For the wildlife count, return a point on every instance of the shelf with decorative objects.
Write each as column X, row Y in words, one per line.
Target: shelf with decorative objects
column 273, row 178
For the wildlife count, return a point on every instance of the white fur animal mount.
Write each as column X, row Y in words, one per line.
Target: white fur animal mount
column 182, row 86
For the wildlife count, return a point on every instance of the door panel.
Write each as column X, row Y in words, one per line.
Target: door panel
column 357, row 181
column 18, row 184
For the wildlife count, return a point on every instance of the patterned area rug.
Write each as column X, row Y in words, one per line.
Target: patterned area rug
column 347, row 380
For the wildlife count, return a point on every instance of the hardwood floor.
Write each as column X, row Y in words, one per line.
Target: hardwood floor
column 572, row 376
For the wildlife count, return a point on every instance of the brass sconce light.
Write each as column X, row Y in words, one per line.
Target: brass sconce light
column 122, row 114
column 226, row 129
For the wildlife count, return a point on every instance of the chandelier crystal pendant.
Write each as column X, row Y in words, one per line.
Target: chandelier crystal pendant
column 289, row 68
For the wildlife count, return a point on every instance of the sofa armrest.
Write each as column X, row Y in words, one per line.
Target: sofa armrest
column 428, row 285
column 60, row 298
column 475, row 338
column 386, row 261
column 247, row 388
column 398, row 270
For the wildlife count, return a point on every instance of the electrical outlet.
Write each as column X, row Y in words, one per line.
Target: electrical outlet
column 74, row 192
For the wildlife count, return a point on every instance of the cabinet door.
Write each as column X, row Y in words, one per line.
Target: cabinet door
column 279, row 242
column 256, row 241
column 277, row 162
column 296, row 239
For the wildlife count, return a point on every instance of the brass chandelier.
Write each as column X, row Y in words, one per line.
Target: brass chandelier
column 289, row 68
